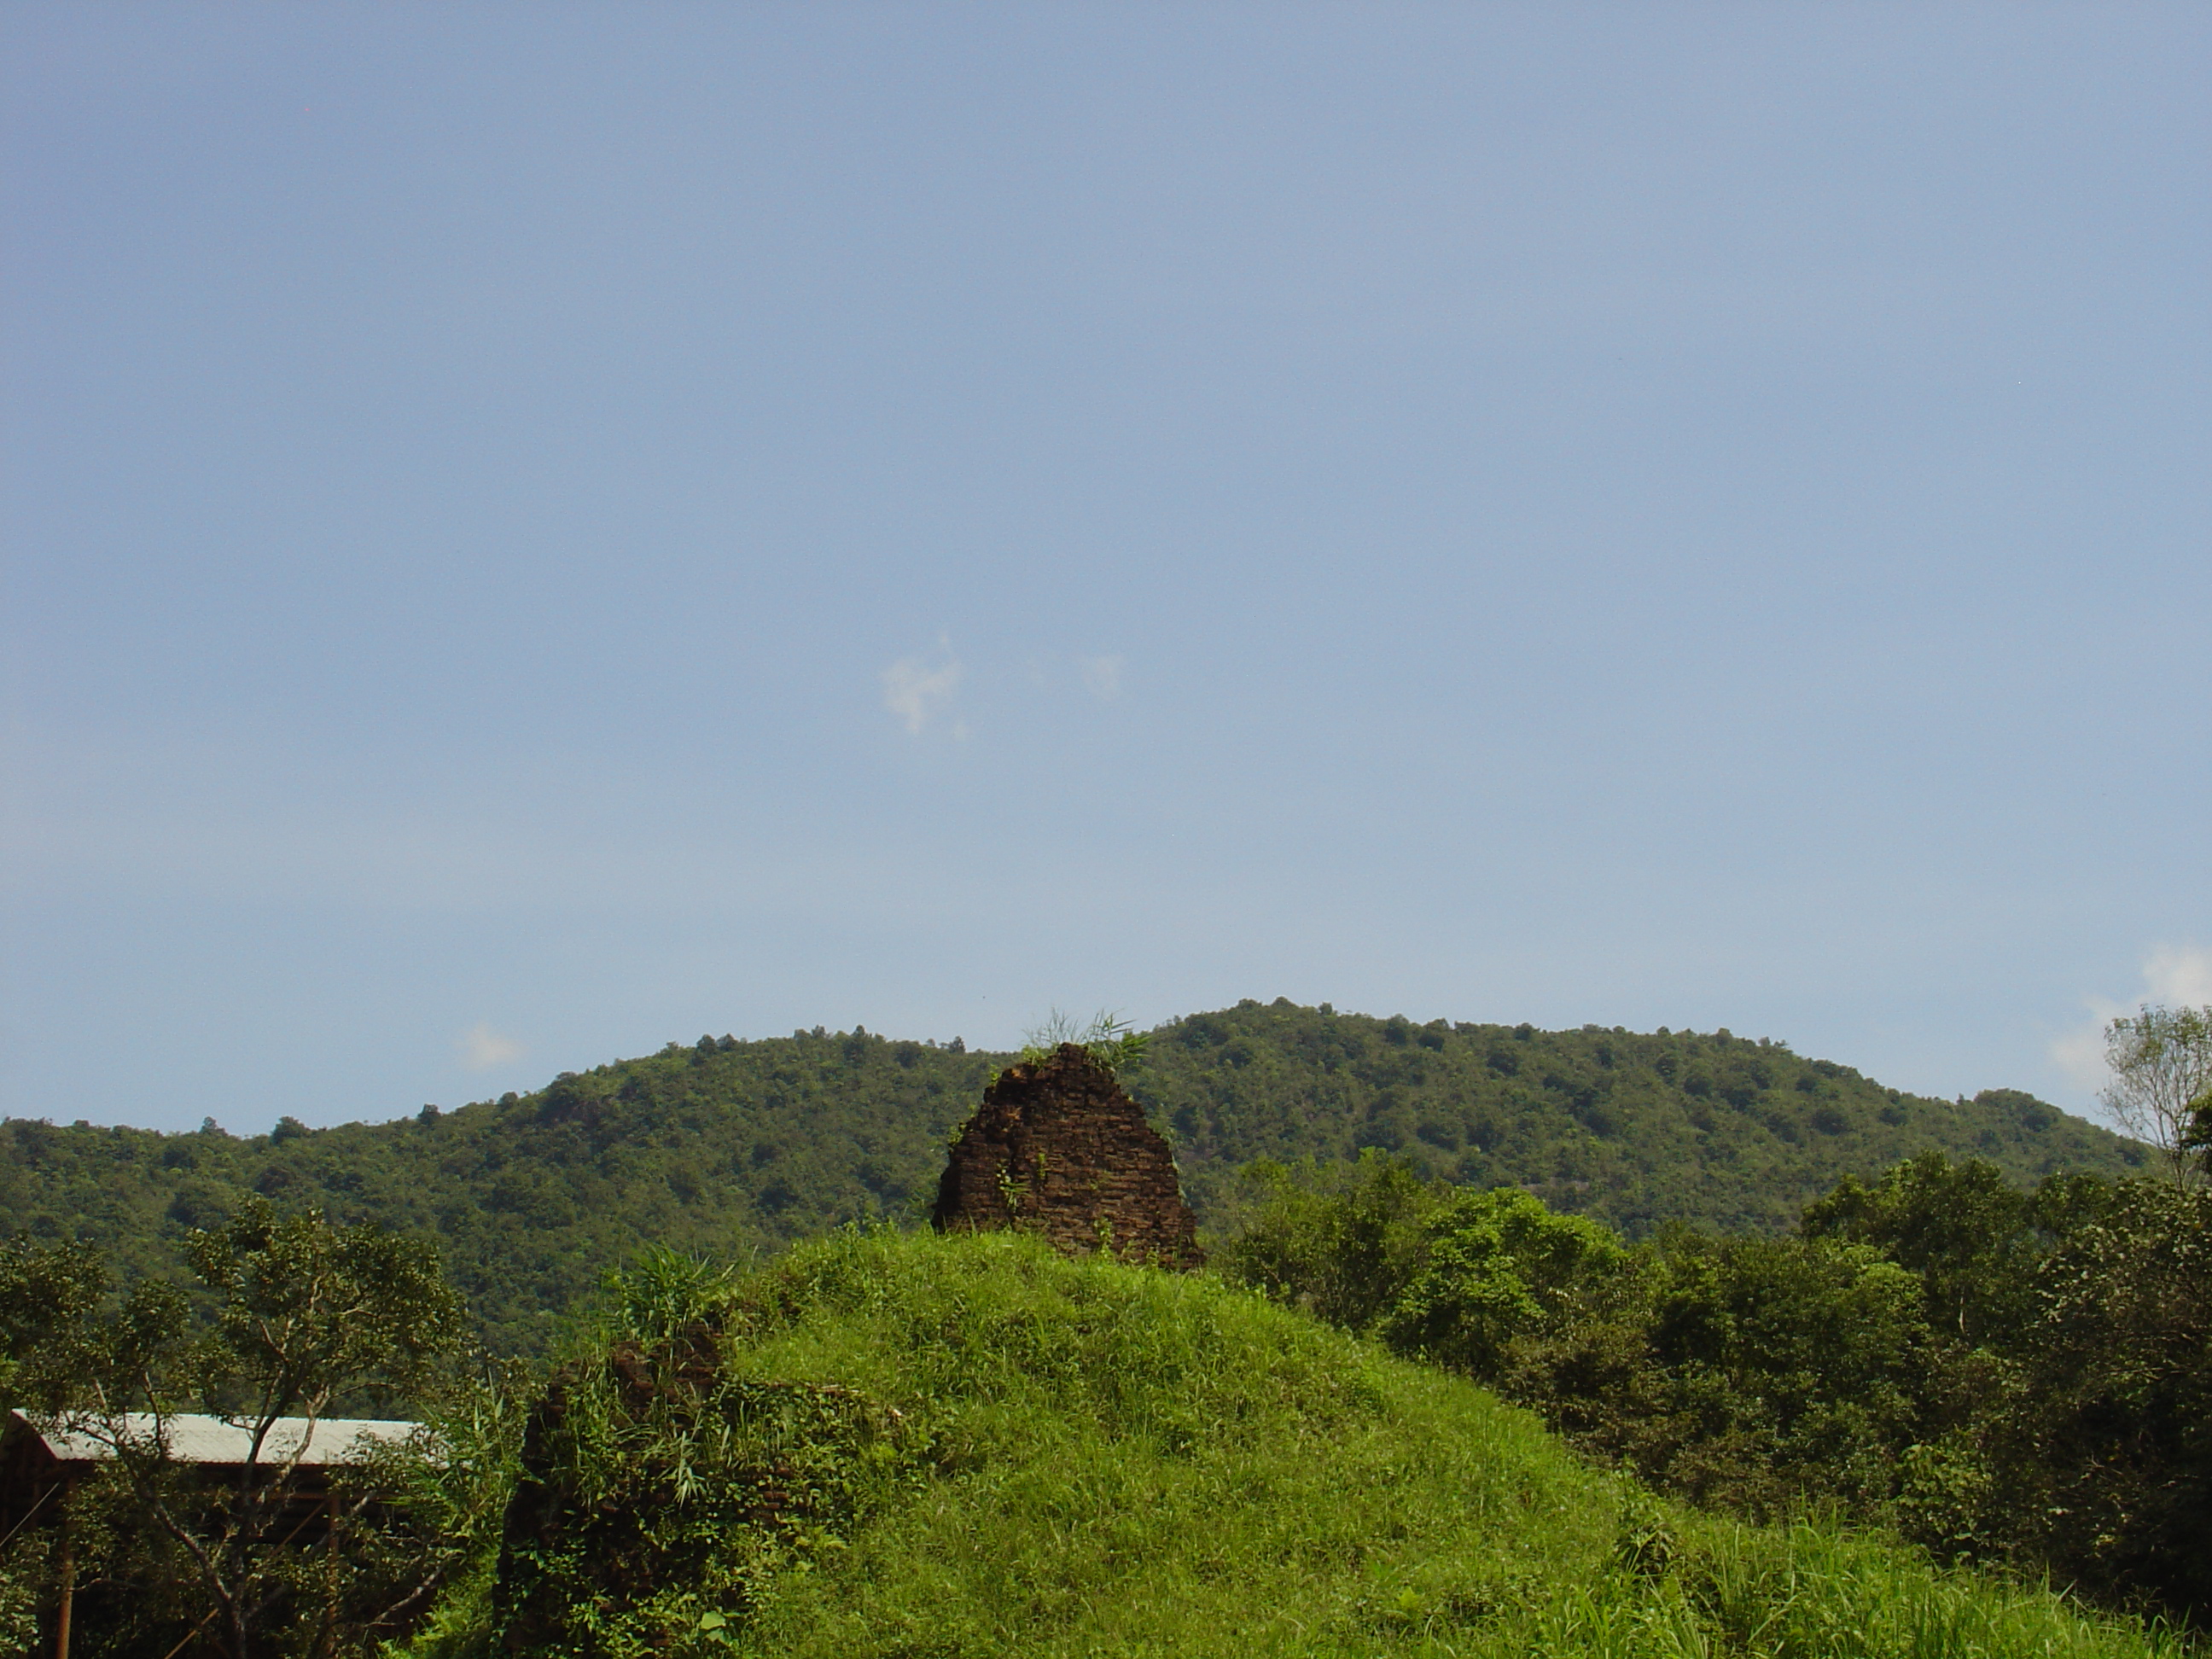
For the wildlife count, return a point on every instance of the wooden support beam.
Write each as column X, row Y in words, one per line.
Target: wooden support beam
column 66, row 1609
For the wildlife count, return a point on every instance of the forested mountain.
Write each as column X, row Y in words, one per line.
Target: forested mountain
column 725, row 1146
column 1719, row 1131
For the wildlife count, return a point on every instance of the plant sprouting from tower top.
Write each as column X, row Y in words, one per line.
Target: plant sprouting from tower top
column 1108, row 1039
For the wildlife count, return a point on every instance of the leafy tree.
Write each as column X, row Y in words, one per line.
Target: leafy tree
column 2015, row 1377
column 306, row 1318
column 438, row 1504
column 1971, row 1237
column 308, row 1314
column 2109, row 1461
column 2199, row 1137
column 1787, row 1369
column 2161, row 1065
column 1341, row 1243
column 43, row 1289
column 1498, row 1269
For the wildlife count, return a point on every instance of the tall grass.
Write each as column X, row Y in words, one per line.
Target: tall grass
column 1112, row 1461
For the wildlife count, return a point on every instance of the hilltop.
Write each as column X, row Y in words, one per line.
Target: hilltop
column 1633, row 1129
column 728, row 1146
column 969, row 1446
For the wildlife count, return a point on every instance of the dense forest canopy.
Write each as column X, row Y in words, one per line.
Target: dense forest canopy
column 731, row 1147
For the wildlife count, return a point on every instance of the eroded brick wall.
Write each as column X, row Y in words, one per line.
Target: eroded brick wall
column 1058, row 1149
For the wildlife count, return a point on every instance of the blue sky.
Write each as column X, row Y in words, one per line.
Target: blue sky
column 532, row 531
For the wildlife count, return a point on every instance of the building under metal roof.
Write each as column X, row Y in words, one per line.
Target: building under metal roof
column 41, row 1467
column 193, row 1438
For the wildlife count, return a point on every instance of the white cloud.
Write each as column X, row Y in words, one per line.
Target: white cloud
column 481, row 1048
column 2080, row 1052
column 2175, row 975
column 916, row 692
column 1102, row 675
column 2178, row 976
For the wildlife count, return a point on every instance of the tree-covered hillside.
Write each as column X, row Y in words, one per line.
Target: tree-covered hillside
column 725, row 1146
column 1719, row 1131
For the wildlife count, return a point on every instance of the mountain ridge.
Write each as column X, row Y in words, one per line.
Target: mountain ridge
column 726, row 1146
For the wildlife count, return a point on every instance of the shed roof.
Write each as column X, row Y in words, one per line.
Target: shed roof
column 194, row 1438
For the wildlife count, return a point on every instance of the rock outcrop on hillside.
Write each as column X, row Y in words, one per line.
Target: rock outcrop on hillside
column 1058, row 1149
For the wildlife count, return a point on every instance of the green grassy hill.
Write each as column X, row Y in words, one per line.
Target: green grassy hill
column 726, row 1146
column 970, row 1446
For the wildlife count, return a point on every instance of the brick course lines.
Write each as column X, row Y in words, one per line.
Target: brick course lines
column 1058, row 1149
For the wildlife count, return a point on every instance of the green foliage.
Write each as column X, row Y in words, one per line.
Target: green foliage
column 1964, row 1229
column 1109, row 1040
column 1453, row 1276
column 307, row 1314
column 438, row 1505
column 664, row 1293
column 669, row 1502
column 886, row 1443
column 1081, row 1457
column 24, row 1577
column 1753, row 1372
column 2071, row 1392
column 2109, row 1464
column 1498, row 1270
column 2161, row 1067
column 735, row 1146
column 1775, row 1372
column 1340, row 1241
column 45, row 1291
column 298, row 1316
column 2014, row 1376
column 1634, row 1130
column 663, row 1491
column 530, row 1197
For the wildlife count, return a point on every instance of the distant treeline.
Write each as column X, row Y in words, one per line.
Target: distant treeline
column 726, row 1146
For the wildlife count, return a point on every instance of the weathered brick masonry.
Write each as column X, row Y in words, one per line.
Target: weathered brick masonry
column 1058, row 1149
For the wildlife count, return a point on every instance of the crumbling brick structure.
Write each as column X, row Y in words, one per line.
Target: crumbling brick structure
column 1058, row 1149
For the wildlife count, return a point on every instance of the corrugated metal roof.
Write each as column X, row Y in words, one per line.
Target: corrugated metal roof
column 192, row 1438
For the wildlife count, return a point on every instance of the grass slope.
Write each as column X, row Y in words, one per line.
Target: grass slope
column 1103, row 1460
column 725, row 1146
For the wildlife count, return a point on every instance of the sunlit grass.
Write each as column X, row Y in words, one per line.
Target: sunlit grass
column 1129, row 1463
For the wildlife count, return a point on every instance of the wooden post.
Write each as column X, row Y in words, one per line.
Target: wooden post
column 62, row 1613
column 331, row 1574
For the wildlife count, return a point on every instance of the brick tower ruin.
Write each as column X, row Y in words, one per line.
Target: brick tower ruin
column 1058, row 1149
